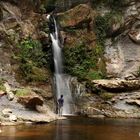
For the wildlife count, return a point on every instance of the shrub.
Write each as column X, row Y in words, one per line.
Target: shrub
column 103, row 25
column 115, row 5
column 80, row 60
column 33, row 60
column 50, row 5
column 35, row 74
column 32, row 50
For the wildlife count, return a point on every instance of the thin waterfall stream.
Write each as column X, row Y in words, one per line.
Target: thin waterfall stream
column 61, row 82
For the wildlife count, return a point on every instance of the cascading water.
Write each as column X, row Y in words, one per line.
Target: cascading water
column 62, row 88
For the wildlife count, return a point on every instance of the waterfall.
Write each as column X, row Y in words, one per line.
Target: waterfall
column 61, row 85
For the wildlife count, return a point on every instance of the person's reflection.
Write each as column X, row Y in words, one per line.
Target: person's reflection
column 61, row 132
column 8, row 133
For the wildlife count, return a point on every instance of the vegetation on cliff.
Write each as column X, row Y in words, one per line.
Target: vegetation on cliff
column 82, row 61
column 33, row 60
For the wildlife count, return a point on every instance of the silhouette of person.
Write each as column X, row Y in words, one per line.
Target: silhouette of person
column 60, row 105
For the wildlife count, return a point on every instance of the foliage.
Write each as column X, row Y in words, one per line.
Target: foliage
column 33, row 59
column 95, row 75
column 49, row 5
column 80, row 61
column 2, row 87
column 107, row 96
column 103, row 25
column 32, row 73
column 113, row 4
column 42, row 8
column 32, row 50
column 44, row 27
column 23, row 92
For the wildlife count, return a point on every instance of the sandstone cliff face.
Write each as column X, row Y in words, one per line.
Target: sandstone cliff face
column 121, row 56
column 115, row 45
column 18, row 22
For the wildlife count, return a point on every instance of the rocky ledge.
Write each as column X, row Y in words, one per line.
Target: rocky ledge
column 23, row 105
column 118, row 85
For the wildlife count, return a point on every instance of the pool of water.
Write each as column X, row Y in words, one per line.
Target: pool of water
column 76, row 129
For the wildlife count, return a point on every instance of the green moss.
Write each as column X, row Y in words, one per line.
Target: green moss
column 107, row 96
column 38, row 75
column 95, row 75
column 2, row 87
column 23, row 92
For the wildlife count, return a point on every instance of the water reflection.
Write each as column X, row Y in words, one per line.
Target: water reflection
column 76, row 129
column 60, row 131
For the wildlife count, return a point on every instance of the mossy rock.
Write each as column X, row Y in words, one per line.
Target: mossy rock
column 28, row 98
column 39, row 74
column 34, row 74
column 2, row 87
column 23, row 92
column 76, row 16
column 107, row 95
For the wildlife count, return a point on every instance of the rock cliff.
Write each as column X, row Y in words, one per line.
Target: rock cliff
column 101, row 46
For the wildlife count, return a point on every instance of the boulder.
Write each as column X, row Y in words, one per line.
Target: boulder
column 6, row 112
column 7, row 86
column 27, row 28
column 117, row 85
column 135, row 36
column 10, row 94
column 134, row 33
column 12, row 117
column 81, row 14
column 30, row 100
column 42, row 108
column 133, row 102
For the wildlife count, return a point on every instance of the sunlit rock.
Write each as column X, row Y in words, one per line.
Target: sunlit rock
column 135, row 36
column 12, row 117
column 133, row 102
column 117, row 85
column 81, row 14
column 29, row 99
column 6, row 112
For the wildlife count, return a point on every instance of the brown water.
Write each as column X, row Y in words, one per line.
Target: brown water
column 76, row 129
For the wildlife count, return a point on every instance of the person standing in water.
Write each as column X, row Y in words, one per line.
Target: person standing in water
column 60, row 105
